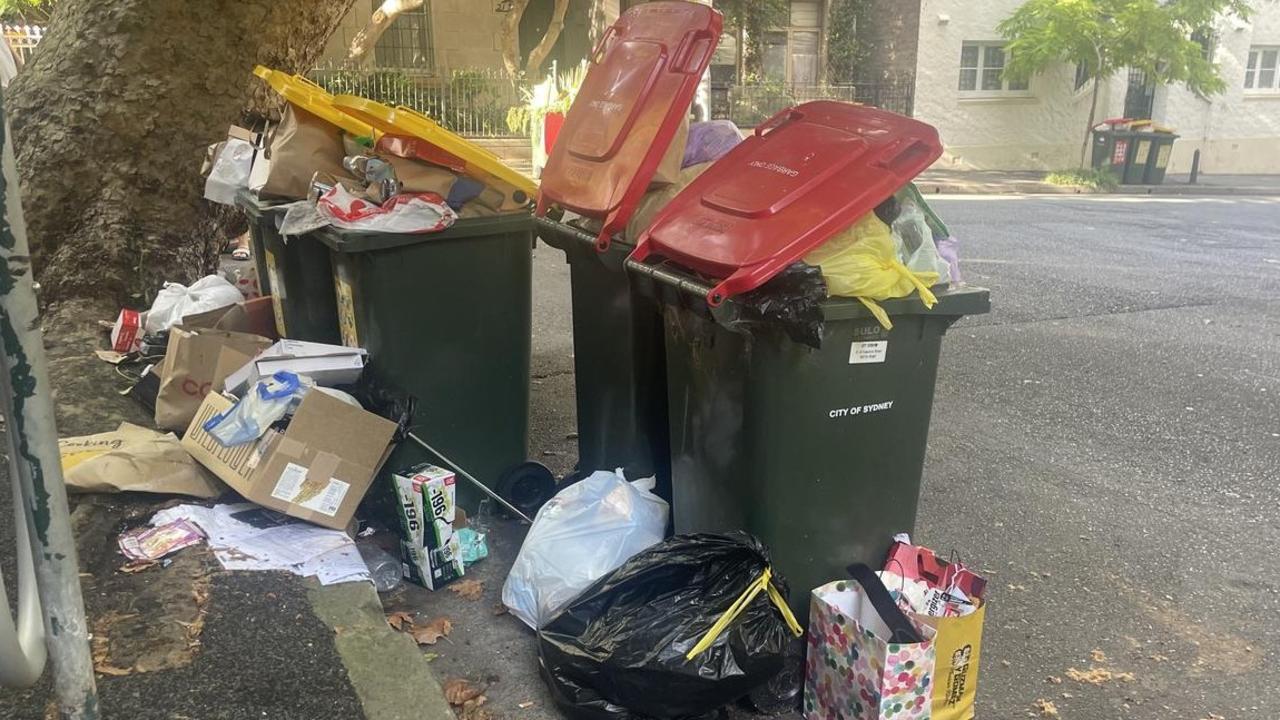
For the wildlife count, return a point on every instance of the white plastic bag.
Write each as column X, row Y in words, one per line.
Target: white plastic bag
column 230, row 172
column 175, row 301
column 915, row 243
column 585, row 531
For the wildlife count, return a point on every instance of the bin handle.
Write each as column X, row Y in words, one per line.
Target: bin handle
column 779, row 118
column 597, row 52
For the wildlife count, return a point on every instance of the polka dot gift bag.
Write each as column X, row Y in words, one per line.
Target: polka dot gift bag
column 866, row 659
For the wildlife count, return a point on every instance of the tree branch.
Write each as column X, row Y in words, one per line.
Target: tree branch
column 539, row 54
column 509, row 38
column 382, row 18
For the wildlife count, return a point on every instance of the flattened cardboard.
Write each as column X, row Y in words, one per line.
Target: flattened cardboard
column 317, row 470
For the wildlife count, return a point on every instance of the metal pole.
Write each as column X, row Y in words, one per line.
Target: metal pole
column 462, row 471
column 1195, row 167
column 35, row 438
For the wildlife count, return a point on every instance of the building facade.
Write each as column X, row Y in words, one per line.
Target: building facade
column 989, row 123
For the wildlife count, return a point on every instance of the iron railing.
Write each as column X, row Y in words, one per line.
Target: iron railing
column 23, row 39
column 471, row 102
column 748, row 105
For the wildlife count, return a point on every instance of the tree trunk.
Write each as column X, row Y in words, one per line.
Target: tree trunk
column 111, row 118
column 1093, row 111
column 509, row 38
column 539, row 54
column 382, row 18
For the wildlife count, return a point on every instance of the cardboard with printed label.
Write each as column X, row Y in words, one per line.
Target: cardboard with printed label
column 317, row 470
column 197, row 361
column 430, row 552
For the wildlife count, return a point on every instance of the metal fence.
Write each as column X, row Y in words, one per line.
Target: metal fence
column 749, row 105
column 471, row 102
column 23, row 39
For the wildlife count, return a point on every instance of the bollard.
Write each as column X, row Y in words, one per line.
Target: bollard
column 28, row 408
column 1195, row 167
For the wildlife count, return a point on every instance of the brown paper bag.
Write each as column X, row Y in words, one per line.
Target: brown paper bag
column 301, row 145
column 197, row 361
column 669, row 168
column 133, row 458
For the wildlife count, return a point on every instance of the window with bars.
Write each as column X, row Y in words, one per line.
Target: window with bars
column 1261, row 72
column 982, row 70
column 408, row 42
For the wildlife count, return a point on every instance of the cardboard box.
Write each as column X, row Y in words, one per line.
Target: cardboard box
column 317, row 470
column 430, row 553
column 325, row 364
column 254, row 316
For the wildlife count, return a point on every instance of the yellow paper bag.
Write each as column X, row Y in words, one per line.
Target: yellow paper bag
column 955, row 676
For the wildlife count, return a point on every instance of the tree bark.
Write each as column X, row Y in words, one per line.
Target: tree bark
column 110, row 121
column 509, row 38
column 538, row 54
column 382, row 18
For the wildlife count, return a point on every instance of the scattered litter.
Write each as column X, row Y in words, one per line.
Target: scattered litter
column 430, row 551
column 1055, row 680
column 384, row 569
column 1046, row 708
column 1005, row 663
column 474, row 546
column 525, row 705
column 469, row 589
column 137, row 566
column 153, row 543
column 175, row 301
column 244, row 536
column 111, row 356
column 1018, row 588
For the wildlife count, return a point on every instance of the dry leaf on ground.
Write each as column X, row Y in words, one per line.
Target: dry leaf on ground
column 431, row 632
column 500, row 609
column 1098, row 676
column 398, row 620
column 458, row 691
column 1098, row 656
column 1055, row 680
column 469, row 589
column 1047, row 708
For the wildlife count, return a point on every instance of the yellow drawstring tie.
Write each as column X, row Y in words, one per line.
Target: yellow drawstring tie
column 926, row 296
column 761, row 583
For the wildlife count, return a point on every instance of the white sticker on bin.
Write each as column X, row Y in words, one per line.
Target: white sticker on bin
column 292, row 483
column 868, row 352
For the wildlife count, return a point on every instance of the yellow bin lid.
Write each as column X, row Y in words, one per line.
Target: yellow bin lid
column 303, row 93
column 481, row 164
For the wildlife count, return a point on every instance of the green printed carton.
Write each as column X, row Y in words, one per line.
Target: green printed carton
column 430, row 553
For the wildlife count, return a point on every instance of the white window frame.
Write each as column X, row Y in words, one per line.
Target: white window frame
column 978, row 92
column 1253, row 69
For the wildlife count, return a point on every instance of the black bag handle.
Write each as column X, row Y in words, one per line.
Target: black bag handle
column 901, row 629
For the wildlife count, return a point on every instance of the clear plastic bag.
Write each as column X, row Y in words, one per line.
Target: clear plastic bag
column 230, row 172
column 914, row 241
column 176, row 301
column 585, row 531
column 265, row 403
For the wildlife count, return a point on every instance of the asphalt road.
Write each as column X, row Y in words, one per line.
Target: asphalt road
column 1105, row 443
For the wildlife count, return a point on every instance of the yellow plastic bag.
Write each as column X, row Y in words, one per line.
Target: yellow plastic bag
column 862, row 262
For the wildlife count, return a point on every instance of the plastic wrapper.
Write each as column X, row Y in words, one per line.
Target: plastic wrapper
column 404, row 213
column 586, row 530
column 914, row 240
column 262, row 405
column 176, row 301
column 621, row 650
column 709, row 141
column 790, row 301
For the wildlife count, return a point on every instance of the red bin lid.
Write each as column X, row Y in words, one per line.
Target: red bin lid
column 804, row 175
column 643, row 75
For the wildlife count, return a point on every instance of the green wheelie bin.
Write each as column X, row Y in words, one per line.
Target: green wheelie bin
column 618, row 361
column 296, row 271
column 817, row 452
column 798, row 417
column 1158, row 160
column 446, row 318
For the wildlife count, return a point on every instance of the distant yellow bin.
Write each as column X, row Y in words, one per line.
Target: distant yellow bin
column 480, row 163
column 309, row 96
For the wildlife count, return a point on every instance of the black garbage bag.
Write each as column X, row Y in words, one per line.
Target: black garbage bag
column 618, row 651
column 790, row 301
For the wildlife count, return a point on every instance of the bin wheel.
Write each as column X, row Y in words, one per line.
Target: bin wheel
column 527, row 486
column 783, row 692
